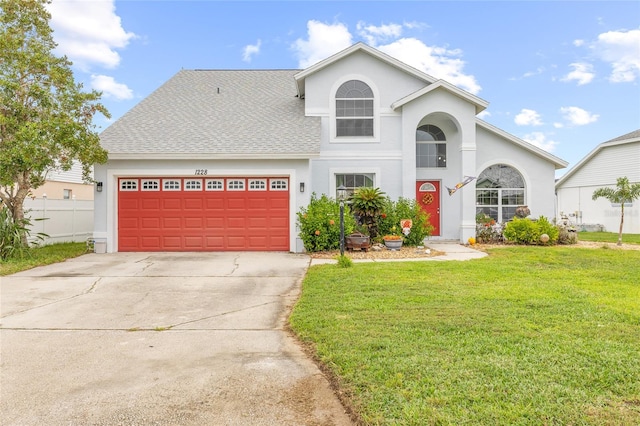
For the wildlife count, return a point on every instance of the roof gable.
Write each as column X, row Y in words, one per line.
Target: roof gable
column 358, row 47
column 479, row 103
column 556, row 161
column 632, row 137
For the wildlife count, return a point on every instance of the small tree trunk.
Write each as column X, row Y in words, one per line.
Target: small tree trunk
column 621, row 223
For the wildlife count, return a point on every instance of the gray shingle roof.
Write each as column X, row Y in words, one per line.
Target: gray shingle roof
column 218, row 114
column 630, row 135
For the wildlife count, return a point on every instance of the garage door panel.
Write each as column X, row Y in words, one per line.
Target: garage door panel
column 218, row 219
column 193, row 204
column 171, row 204
column 150, row 204
column 150, row 223
column 171, row 223
column 172, row 243
column 236, row 203
column 193, row 243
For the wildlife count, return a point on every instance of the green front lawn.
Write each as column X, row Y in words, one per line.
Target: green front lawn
column 44, row 255
column 528, row 335
column 609, row 237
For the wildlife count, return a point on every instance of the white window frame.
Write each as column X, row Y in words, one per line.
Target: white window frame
column 236, row 184
column 214, row 185
column 150, row 185
column 279, row 184
column 257, row 185
column 167, row 185
column 376, row 112
column 193, row 184
column 128, row 184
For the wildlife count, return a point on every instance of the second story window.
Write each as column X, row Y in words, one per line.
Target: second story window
column 431, row 147
column 354, row 109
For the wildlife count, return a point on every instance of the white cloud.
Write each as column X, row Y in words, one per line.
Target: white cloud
column 250, row 50
column 622, row 50
column 483, row 114
column 582, row 73
column 528, row 117
column 324, row 40
column 438, row 62
column 577, row 116
column 110, row 88
column 578, row 43
column 540, row 140
column 88, row 32
column 373, row 34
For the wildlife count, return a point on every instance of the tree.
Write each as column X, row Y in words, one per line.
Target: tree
column 46, row 120
column 624, row 192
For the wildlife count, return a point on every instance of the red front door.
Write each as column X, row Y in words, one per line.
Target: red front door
column 428, row 196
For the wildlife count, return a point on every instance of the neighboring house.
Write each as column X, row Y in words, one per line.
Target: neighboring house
column 224, row 159
column 65, row 185
column 610, row 160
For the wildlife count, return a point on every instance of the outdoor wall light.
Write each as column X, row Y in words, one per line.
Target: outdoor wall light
column 99, row 186
column 301, row 186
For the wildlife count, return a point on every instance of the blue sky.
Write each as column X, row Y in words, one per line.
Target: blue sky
column 563, row 75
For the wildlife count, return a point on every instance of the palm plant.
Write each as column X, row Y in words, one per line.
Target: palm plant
column 624, row 192
column 367, row 204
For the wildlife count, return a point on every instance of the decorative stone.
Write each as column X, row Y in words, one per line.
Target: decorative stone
column 544, row 238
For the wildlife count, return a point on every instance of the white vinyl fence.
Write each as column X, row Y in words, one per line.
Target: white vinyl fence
column 61, row 220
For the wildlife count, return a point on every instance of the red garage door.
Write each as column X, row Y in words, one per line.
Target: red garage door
column 203, row 214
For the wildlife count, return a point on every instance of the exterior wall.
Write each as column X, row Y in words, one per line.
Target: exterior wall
column 538, row 173
column 106, row 202
column 577, row 206
column 456, row 118
column 610, row 163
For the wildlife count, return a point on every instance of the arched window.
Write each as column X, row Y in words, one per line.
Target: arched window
column 499, row 191
column 354, row 109
column 431, row 147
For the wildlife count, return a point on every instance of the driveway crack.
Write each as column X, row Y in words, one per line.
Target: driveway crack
column 91, row 289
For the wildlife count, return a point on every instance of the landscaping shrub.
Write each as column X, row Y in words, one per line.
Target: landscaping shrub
column 11, row 235
column 521, row 231
column 527, row 231
column 319, row 224
column 546, row 227
column 404, row 208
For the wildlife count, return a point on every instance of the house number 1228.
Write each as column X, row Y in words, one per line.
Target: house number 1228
column 201, row 172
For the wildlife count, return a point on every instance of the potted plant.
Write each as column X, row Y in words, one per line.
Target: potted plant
column 358, row 240
column 392, row 241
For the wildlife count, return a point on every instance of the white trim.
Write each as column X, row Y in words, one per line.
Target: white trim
column 559, row 163
column 111, row 235
column 219, row 187
column 361, row 155
column 261, row 187
column 333, row 171
column 527, row 181
column 154, row 181
column 170, row 182
column 238, row 183
column 332, row 111
column 191, row 180
column 592, row 154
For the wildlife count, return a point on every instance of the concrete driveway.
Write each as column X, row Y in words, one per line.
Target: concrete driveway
column 158, row 339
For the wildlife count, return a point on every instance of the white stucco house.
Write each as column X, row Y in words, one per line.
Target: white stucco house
column 610, row 160
column 224, row 159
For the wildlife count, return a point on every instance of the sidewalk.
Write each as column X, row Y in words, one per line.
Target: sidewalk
column 451, row 250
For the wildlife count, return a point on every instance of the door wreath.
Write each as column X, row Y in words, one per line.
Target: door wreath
column 427, row 198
